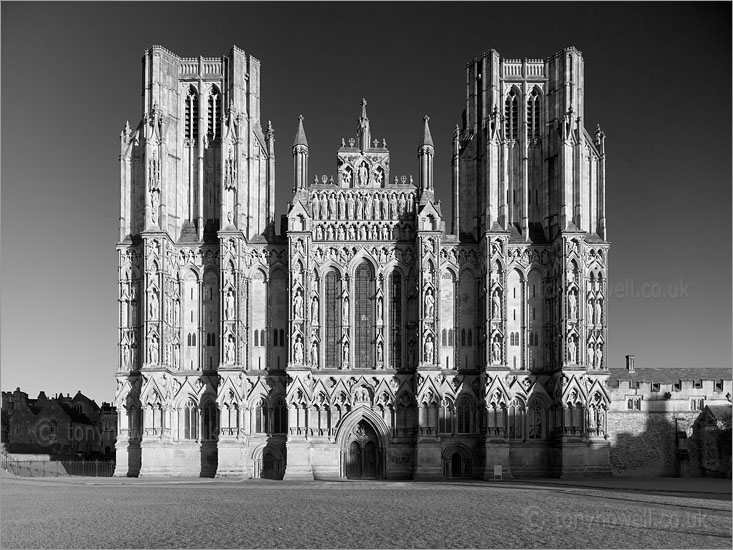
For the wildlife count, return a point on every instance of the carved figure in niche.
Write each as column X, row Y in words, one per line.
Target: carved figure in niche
column 345, row 310
column 350, row 233
column 429, row 303
column 496, row 351
column 153, row 349
column 176, row 355
column 314, row 206
column 378, row 176
column 314, row 352
column 592, row 419
column 599, row 312
column 379, row 308
column 346, row 177
column 402, row 204
column 411, row 353
column 496, row 305
column 350, row 207
column 393, row 206
column 340, row 233
column 363, row 174
column 368, row 206
column 153, row 304
column 343, row 256
column 299, row 246
column 324, row 207
column 591, row 309
column 342, row 206
column 591, row 354
column 383, row 252
column 359, row 206
column 373, row 234
column 332, row 212
column 380, row 352
column 298, row 349
column 125, row 356
column 572, row 350
column 319, row 233
column 155, row 205
column 601, row 421
column 229, row 350
column 429, row 348
column 133, row 310
column 362, row 233
column 573, row 305
column 346, row 351
column 599, row 356
column 314, row 309
column 229, row 305
column 298, row 304
column 329, row 232
column 377, row 206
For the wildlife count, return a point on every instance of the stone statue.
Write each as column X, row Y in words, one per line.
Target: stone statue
column 345, row 311
column 429, row 303
column 368, row 206
column 314, row 352
column 340, row 233
column 573, row 305
column 379, row 308
column 495, row 351
column 346, row 177
column 591, row 354
column 229, row 351
column 324, row 208
column 599, row 357
column 153, row 349
column 176, row 355
column 298, row 350
column 402, row 204
column 359, row 207
column 155, row 206
column 314, row 309
column 298, row 304
column 496, row 303
column 411, row 353
column 319, row 233
column 363, row 174
column 332, row 212
column 429, row 350
column 125, row 356
column 599, row 312
column 350, row 233
column 572, row 349
column 314, row 207
column 393, row 206
column 590, row 319
column 380, row 352
column 342, row 206
column 229, row 305
column 350, row 207
column 346, row 351
column 378, row 176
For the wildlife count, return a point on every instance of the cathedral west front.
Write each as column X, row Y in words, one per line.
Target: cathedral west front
column 374, row 336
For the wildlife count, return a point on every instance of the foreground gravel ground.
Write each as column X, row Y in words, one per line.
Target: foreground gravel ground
column 43, row 513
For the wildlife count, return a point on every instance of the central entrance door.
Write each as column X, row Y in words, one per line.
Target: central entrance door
column 362, row 460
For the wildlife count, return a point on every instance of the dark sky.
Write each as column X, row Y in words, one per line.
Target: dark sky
column 658, row 81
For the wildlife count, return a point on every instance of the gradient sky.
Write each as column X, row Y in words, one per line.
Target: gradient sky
column 658, row 80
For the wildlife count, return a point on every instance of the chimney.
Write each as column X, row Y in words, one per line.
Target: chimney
column 630, row 363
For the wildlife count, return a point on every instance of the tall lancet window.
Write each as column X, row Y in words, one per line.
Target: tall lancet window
column 533, row 115
column 192, row 114
column 511, row 115
column 214, row 114
column 364, row 317
column 332, row 319
column 395, row 320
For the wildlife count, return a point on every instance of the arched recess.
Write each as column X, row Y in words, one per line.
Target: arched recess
column 268, row 460
column 190, row 322
column 535, row 322
column 457, row 461
column 258, row 301
column 515, row 320
column 364, row 316
column 468, row 304
column 210, row 302
column 279, row 300
column 511, row 114
column 332, row 310
column 447, row 318
column 396, row 318
column 361, row 436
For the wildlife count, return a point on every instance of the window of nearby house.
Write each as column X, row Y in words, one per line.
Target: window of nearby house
column 655, row 386
column 677, row 386
column 719, row 385
column 697, row 404
column 697, row 384
column 633, row 403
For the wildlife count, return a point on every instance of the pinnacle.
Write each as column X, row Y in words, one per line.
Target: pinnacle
column 427, row 138
column 300, row 134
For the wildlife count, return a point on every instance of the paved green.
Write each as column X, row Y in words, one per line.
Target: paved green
column 86, row 513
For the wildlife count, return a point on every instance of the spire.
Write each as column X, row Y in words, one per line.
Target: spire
column 364, row 133
column 427, row 139
column 300, row 134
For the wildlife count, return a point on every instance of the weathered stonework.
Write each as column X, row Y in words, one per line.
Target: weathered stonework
column 368, row 340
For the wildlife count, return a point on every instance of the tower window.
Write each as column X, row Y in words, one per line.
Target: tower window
column 511, row 115
column 533, row 115
column 192, row 114
column 214, row 114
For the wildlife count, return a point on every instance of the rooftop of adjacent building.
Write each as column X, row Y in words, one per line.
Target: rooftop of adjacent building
column 667, row 375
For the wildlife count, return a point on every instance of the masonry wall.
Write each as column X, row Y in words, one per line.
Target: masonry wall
column 644, row 443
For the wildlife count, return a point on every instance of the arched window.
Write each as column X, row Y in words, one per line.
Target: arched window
column 446, row 417
column 279, row 417
column 282, row 337
column 463, row 336
column 257, row 337
column 511, row 115
column 463, row 416
column 533, row 115
column 332, row 320
column 209, row 421
column 190, row 424
column 450, row 336
column 274, row 337
column 364, row 317
column 444, row 338
column 260, row 417
column 214, row 114
column 192, row 114
column 469, row 340
column 395, row 319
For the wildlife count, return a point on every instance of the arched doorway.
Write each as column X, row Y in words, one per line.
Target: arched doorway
column 456, row 465
column 362, row 461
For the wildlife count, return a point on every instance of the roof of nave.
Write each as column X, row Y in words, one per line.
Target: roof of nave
column 667, row 375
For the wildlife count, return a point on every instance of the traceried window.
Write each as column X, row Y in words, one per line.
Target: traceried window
column 214, row 114
column 364, row 317
column 190, row 423
column 463, row 416
column 511, row 115
column 209, row 421
column 533, row 115
column 192, row 114
column 332, row 319
column 395, row 319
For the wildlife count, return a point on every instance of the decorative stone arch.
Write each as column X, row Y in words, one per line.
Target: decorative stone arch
column 457, row 461
column 269, row 460
column 363, row 426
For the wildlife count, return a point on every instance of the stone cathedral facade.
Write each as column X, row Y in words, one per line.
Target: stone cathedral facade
column 374, row 335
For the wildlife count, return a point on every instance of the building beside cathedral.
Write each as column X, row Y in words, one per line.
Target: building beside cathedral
column 374, row 336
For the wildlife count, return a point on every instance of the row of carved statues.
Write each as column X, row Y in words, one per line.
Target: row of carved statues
column 370, row 205
column 363, row 232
